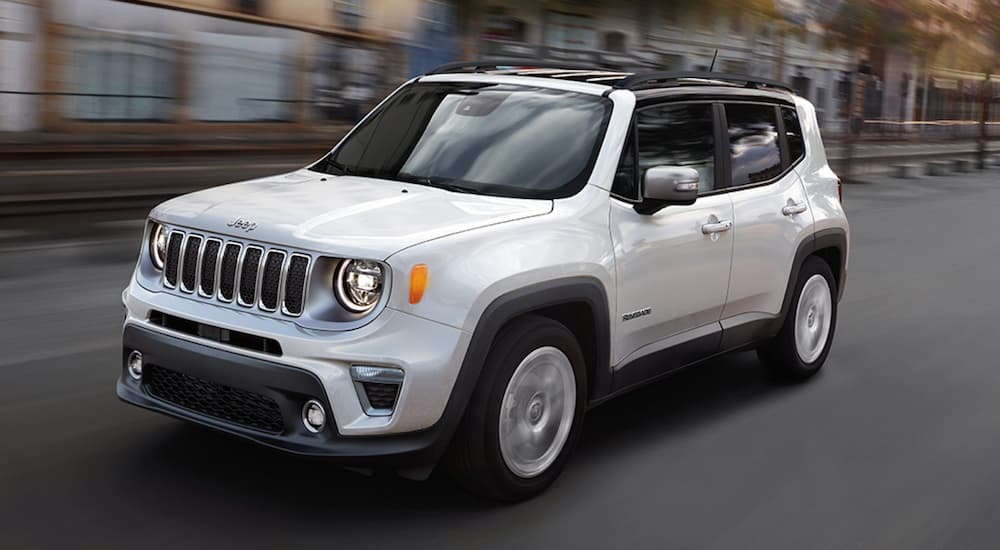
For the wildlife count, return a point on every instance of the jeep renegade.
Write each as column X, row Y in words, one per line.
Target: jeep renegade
column 493, row 250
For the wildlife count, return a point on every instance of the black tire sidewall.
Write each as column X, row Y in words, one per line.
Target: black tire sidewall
column 782, row 353
column 483, row 415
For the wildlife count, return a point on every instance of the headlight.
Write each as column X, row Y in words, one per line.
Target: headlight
column 359, row 284
column 158, row 245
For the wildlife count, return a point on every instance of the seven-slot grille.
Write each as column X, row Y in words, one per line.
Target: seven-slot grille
column 252, row 276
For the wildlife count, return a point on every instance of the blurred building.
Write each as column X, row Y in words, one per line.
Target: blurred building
column 646, row 35
column 202, row 65
column 19, row 66
column 205, row 66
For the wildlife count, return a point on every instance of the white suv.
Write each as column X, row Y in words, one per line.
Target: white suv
column 489, row 253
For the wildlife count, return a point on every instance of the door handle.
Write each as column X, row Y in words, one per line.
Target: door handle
column 794, row 208
column 717, row 227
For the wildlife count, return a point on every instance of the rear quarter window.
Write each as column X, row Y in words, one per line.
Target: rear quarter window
column 793, row 133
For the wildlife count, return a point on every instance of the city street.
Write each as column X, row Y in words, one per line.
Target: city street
column 896, row 444
column 123, row 186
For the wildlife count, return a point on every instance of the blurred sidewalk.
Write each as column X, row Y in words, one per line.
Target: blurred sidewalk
column 21, row 145
column 18, row 145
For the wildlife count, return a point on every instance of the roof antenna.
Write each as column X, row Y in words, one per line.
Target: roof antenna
column 714, row 57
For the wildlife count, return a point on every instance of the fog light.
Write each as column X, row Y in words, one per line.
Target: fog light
column 313, row 416
column 135, row 365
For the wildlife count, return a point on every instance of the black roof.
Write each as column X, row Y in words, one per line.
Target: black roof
column 616, row 79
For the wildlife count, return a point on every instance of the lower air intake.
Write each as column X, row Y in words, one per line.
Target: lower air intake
column 226, row 403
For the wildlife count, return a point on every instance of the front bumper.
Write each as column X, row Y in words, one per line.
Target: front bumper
column 289, row 387
column 429, row 354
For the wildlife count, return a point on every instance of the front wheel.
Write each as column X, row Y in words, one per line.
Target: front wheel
column 800, row 348
column 525, row 415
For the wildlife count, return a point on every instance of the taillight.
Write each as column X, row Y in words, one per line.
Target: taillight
column 840, row 192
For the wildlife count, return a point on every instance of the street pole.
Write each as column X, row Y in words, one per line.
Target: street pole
column 855, row 104
column 985, row 94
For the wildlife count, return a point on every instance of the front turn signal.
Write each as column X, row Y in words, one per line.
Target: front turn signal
column 418, row 282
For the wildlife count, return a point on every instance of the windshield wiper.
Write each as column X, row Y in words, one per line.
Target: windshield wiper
column 343, row 169
column 448, row 184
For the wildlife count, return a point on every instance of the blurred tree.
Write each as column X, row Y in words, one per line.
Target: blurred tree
column 865, row 26
column 989, row 16
column 977, row 49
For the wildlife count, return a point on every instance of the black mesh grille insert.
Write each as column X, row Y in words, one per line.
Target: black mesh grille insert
column 216, row 400
column 381, row 396
column 209, row 261
column 295, row 284
column 227, row 279
column 271, row 279
column 248, row 277
column 173, row 258
column 190, row 262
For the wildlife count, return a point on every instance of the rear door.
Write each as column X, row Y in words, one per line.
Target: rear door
column 770, row 210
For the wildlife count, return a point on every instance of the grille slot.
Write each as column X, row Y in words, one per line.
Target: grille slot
column 270, row 283
column 248, row 276
column 227, row 275
column 295, row 284
column 254, row 276
column 233, row 338
column 189, row 269
column 209, row 265
column 219, row 401
column 173, row 258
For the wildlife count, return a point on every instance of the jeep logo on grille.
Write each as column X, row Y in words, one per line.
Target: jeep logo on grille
column 245, row 225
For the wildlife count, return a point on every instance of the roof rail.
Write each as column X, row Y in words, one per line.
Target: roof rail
column 501, row 64
column 636, row 80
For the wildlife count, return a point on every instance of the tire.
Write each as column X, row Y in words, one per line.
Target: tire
column 495, row 466
column 799, row 358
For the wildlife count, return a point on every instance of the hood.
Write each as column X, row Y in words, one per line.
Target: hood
column 343, row 215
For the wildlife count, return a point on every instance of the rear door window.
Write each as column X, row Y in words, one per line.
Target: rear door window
column 755, row 152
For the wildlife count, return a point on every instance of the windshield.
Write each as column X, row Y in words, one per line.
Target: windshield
column 491, row 139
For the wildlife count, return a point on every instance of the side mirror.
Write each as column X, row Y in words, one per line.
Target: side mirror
column 666, row 185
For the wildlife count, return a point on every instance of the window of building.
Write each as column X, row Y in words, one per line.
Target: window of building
column 843, row 97
column 614, row 42
column 736, row 23
column 753, row 143
column 570, row 31
column 672, row 62
column 671, row 14
column 247, row 6
column 350, row 13
column 122, row 76
column 801, row 84
column 678, row 134
column 499, row 24
column 436, row 15
column 242, row 77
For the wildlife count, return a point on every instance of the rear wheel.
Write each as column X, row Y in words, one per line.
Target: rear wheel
column 525, row 415
column 800, row 348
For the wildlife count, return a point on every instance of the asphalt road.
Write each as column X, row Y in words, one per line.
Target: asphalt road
column 895, row 445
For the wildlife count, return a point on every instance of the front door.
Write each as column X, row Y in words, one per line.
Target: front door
column 672, row 266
